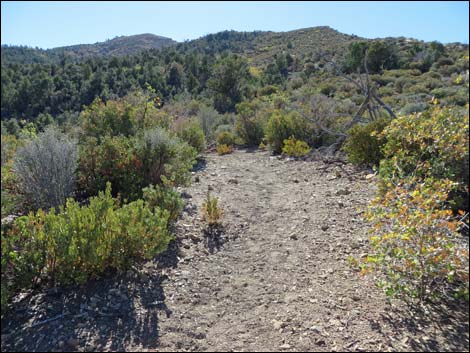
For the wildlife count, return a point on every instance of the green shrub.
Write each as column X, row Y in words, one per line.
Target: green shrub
column 429, row 144
column 165, row 198
column 249, row 124
column 224, row 149
column 362, row 145
column 295, row 148
column 114, row 160
column 191, row 132
column 81, row 242
column 416, row 244
column 226, row 138
column 211, row 212
column 165, row 159
column 280, row 127
column 130, row 164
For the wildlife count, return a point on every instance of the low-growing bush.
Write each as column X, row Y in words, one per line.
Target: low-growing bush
column 416, row 244
column 45, row 169
column 226, row 138
column 191, row 132
column 211, row 212
column 80, row 242
column 429, row 144
column 165, row 159
column 224, row 149
column 165, row 198
column 363, row 145
column 282, row 126
column 295, row 148
column 130, row 164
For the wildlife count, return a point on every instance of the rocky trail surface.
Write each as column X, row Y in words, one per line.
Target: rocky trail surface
column 275, row 277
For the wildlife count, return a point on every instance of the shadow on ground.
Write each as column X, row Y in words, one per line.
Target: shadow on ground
column 118, row 311
column 449, row 317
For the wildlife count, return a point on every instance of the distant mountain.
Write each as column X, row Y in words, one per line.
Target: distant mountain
column 119, row 46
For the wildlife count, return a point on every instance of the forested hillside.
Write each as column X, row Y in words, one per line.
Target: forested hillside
column 408, row 72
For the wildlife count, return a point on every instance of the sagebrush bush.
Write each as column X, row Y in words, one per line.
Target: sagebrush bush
column 295, row 148
column 80, row 242
column 45, row 169
column 363, row 146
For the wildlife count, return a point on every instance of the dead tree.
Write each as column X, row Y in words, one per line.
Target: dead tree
column 371, row 104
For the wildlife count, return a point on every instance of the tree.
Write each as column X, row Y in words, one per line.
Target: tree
column 229, row 76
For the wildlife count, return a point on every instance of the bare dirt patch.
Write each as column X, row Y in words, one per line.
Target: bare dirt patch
column 274, row 278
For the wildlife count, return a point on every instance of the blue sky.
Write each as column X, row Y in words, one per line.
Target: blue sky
column 51, row 24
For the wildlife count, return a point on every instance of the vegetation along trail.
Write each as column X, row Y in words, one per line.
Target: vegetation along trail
column 275, row 277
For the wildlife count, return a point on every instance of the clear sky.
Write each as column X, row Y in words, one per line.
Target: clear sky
column 51, row 24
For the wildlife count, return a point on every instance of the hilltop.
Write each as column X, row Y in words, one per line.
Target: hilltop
column 119, row 46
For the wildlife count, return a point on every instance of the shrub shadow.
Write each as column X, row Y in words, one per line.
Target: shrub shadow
column 116, row 312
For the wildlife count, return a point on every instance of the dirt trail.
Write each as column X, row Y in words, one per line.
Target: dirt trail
column 275, row 279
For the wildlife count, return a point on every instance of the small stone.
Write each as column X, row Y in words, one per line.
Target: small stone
column 342, row 192
column 324, row 227
column 278, row 324
column 233, row 181
column 73, row 342
column 320, row 342
column 285, row 346
column 316, row 329
column 369, row 176
column 293, row 236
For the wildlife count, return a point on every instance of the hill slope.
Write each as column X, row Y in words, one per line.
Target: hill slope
column 119, row 46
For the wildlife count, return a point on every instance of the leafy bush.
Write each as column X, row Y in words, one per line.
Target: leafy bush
column 125, row 117
column 429, row 144
column 81, row 242
column 114, row 160
column 164, row 198
column 411, row 108
column 211, row 212
column 165, row 159
column 224, row 149
column 249, row 125
column 295, row 148
column 226, row 138
column 130, row 164
column 363, row 146
column 191, row 132
column 282, row 126
column 416, row 244
column 45, row 169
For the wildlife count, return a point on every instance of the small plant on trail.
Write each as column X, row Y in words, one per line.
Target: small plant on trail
column 211, row 212
column 224, row 149
column 295, row 148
